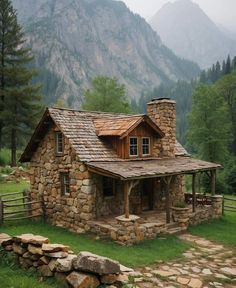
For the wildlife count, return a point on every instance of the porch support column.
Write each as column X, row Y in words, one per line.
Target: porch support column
column 126, row 193
column 194, row 191
column 213, row 182
column 167, row 181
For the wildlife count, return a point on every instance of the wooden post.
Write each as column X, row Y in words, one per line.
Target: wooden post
column 194, row 191
column 167, row 181
column 213, row 182
column 126, row 193
column 1, row 212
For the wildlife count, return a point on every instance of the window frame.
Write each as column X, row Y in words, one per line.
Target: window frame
column 149, row 146
column 133, row 155
column 57, row 144
column 113, row 186
column 65, row 186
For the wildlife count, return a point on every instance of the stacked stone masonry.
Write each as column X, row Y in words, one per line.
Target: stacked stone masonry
column 87, row 270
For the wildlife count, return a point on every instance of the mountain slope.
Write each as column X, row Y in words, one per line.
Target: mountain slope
column 189, row 32
column 76, row 40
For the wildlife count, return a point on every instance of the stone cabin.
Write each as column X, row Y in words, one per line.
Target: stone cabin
column 93, row 166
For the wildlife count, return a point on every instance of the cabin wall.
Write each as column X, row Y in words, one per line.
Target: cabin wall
column 71, row 211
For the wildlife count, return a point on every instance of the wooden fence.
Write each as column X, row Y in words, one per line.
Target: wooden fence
column 18, row 205
column 228, row 207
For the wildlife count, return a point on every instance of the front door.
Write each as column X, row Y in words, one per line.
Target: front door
column 147, row 194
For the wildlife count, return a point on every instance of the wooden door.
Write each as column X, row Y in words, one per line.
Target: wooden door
column 147, row 194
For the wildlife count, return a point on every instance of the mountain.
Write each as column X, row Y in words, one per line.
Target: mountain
column 190, row 33
column 75, row 40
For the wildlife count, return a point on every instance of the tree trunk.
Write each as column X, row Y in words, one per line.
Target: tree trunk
column 13, row 148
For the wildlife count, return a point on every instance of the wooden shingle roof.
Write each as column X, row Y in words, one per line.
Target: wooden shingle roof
column 83, row 130
column 128, row 170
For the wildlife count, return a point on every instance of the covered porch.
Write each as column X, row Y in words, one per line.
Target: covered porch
column 156, row 176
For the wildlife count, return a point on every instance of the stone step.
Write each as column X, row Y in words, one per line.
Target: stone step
column 176, row 230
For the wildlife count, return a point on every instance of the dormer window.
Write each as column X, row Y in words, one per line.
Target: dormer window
column 145, row 146
column 133, row 146
column 59, row 142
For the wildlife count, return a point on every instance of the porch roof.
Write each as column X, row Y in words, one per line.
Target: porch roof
column 134, row 169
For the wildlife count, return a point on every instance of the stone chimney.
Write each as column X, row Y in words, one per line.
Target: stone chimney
column 162, row 111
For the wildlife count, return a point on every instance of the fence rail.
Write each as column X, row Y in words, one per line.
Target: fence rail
column 23, row 208
column 229, row 207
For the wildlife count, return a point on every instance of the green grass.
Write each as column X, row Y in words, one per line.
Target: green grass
column 9, row 187
column 220, row 230
column 145, row 253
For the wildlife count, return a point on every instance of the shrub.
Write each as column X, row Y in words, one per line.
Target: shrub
column 5, row 157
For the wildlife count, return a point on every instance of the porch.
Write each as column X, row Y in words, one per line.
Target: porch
column 136, row 224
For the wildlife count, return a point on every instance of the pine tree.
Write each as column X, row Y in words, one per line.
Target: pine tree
column 228, row 66
column 20, row 102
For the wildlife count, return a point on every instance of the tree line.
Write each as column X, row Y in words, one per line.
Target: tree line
column 20, row 100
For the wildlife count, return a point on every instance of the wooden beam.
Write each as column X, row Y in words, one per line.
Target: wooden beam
column 213, row 182
column 167, row 180
column 194, row 191
column 126, row 194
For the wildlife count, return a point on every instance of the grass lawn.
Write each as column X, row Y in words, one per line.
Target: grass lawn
column 145, row 253
column 9, row 187
column 221, row 230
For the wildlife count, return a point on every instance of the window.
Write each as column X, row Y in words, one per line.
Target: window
column 133, row 146
column 108, row 186
column 65, row 183
column 145, row 145
column 59, row 142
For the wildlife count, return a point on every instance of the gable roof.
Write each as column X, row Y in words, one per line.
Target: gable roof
column 80, row 128
column 123, row 126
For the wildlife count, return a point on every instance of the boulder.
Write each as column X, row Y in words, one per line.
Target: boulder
column 89, row 262
column 65, row 264
column 31, row 239
column 5, row 239
column 18, row 249
column 51, row 248
column 82, row 280
column 35, row 249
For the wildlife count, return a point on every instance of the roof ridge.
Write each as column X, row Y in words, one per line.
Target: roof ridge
column 94, row 112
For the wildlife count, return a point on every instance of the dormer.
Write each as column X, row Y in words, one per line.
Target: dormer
column 131, row 137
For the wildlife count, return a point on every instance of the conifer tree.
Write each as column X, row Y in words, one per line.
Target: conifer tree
column 228, row 66
column 20, row 102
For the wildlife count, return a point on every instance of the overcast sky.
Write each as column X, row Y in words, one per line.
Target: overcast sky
column 220, row 11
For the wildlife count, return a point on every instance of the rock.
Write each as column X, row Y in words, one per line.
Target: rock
column 5, row 239
column 89, row 262
column 195, row 283
column 44, row 260
column 126, row 269
column 108, row 279
column 82, row 280
column 45, row 271
column 31, row 238
column 220, row 276
column 18, row 249
column 164, row 273
column 206, row 272
column 228, row 271
column 122, row 278
column 51, row 248
column 25, row 262
column 35, row 249
column 57, row 254
column 183, row 280
column 52, row 265
column 65, row 264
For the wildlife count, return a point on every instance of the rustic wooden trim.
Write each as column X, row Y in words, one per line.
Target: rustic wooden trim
column 167, row 181
column 126, row 194
column 213, row 182
column 194, row 191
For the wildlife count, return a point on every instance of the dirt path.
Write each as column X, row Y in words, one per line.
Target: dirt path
column 206, row 265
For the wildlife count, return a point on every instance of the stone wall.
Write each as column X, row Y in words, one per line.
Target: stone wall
column 163, row 113
column 87, row 270
column 70, row 211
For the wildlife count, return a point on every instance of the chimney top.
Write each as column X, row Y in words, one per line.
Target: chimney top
column 162, row 100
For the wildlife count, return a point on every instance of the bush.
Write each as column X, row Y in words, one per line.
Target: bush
column 5, row 157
